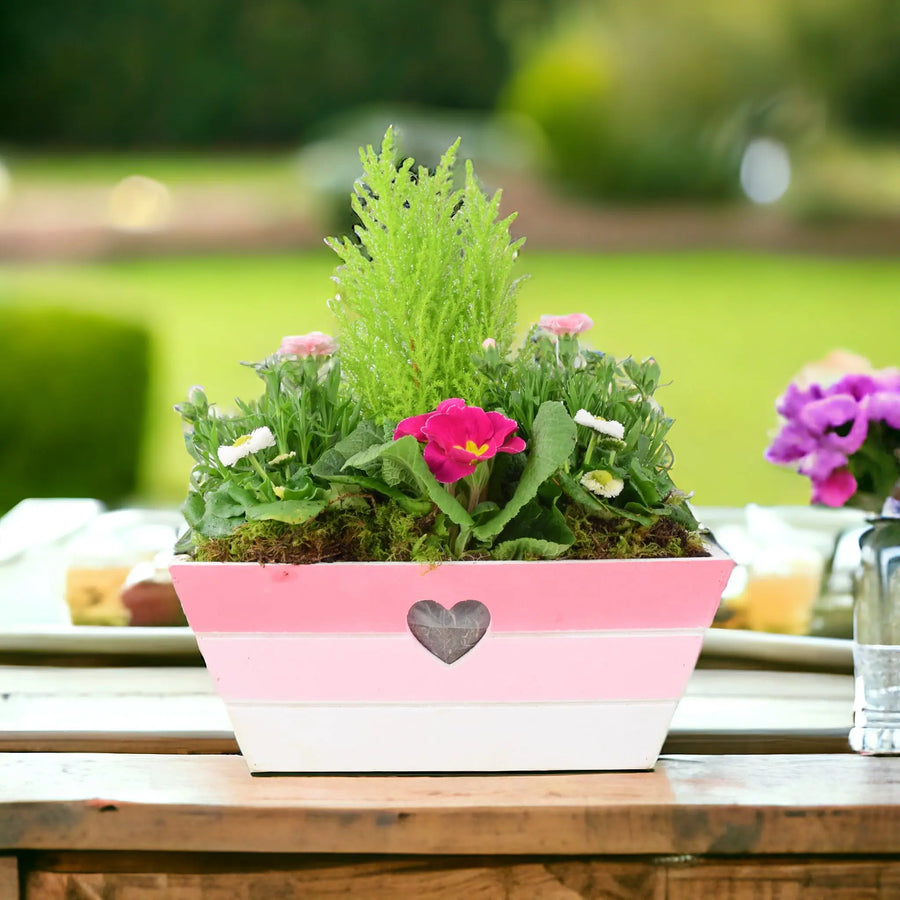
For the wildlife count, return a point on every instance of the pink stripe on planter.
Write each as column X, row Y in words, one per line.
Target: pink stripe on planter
column 396, row 668
column 570, row 595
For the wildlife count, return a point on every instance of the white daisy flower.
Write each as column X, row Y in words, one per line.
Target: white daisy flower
column 602, row 483
column 258, row 439
column 609, row 427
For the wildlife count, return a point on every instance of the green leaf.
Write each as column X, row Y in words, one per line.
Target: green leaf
column 413, row 505
column 527, row 548
column 366, row 457
column 294, row 512
column 406, row 453
column 220, row 504
column 215, row 527
column 365, row 435
column 553, row 438
column 193, row 508
column 541, row 522
column 244, row 498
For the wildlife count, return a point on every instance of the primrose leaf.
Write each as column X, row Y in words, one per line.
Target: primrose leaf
column 552, row 441
column 527, row 548
column 405, row 452
column 294, row 512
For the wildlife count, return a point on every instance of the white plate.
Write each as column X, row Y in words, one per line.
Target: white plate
column 822, row 654
column 163, row 641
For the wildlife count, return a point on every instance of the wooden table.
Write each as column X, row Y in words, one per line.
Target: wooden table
column 197, row 826
column 173, row 812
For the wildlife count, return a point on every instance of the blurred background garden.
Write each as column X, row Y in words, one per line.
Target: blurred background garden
column 716, row 185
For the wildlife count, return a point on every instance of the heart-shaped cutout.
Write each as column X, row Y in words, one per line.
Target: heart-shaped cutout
column 448, row 633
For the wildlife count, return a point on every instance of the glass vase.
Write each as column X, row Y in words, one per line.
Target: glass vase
column 876, row 641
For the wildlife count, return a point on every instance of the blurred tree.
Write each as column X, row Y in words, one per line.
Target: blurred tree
column 850, row 50
column 165, row 72
column 648, row 99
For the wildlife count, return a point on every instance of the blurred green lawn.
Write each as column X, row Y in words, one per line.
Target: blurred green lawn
column 728, row 329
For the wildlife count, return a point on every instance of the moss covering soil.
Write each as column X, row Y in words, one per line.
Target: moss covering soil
column 383, row 533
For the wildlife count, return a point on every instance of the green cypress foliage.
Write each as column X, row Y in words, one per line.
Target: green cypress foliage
column 428, row 280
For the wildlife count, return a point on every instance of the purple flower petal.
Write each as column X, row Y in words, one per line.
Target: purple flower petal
column 836, row 489
column 819, row 465
column 795, row 398
column 793, row 442
column 884, row 406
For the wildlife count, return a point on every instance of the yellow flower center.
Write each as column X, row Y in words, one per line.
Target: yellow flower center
column 241, row 440
column 473, row 448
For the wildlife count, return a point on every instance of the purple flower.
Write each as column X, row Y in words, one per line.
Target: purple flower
column 458, row 437
column 825, row 426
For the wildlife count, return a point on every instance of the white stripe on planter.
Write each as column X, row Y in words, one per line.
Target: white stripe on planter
column 276, row 737
column 397, row 668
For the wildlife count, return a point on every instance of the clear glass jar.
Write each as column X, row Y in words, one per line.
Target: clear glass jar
column 876, row 640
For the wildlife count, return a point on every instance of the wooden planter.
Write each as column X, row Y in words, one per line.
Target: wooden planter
column 461, row 667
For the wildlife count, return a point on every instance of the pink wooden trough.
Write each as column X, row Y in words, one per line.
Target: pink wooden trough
column 461, row 667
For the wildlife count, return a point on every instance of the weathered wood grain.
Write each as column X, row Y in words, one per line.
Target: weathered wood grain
column 235, row 877
column 732, row 805
column 479, row 879
column 780, row 880
column 9, row 878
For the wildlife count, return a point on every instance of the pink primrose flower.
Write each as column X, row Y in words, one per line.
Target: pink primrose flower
column 414, row 424
column 488, row 344
column 458, row 437
column 574, row 323
column 313, row 344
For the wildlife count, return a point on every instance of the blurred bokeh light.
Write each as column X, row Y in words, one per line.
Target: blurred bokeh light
column 765, row 170
column 138, row 203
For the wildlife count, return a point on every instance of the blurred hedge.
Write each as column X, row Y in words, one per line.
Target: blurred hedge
column 120, row 73
column 73, row 389
column 651, row 99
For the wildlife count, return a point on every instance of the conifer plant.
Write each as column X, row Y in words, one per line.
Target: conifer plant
column 421, row 433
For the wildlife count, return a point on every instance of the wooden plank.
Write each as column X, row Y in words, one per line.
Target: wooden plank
column 780, row 880
column 189, row 876
column 175, row 710
column 375, row 880
column 731, row 805
column 9, row 878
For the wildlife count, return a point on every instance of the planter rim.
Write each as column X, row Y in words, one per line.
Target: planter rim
column 716, row 554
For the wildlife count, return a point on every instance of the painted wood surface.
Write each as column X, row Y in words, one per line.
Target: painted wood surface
column 429, row 737
column 566, row 641
column 568, row 595
column 560, row 666
column 712, row 806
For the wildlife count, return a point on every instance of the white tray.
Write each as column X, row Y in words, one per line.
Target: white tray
column 822, row 654
column 97, row 639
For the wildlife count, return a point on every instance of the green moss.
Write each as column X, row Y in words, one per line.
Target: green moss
column 623, row 539
column 384, row 533
column 381, row 533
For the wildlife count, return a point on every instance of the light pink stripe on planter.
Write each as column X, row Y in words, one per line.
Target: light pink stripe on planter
column 396, row 668
column 570, row 595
